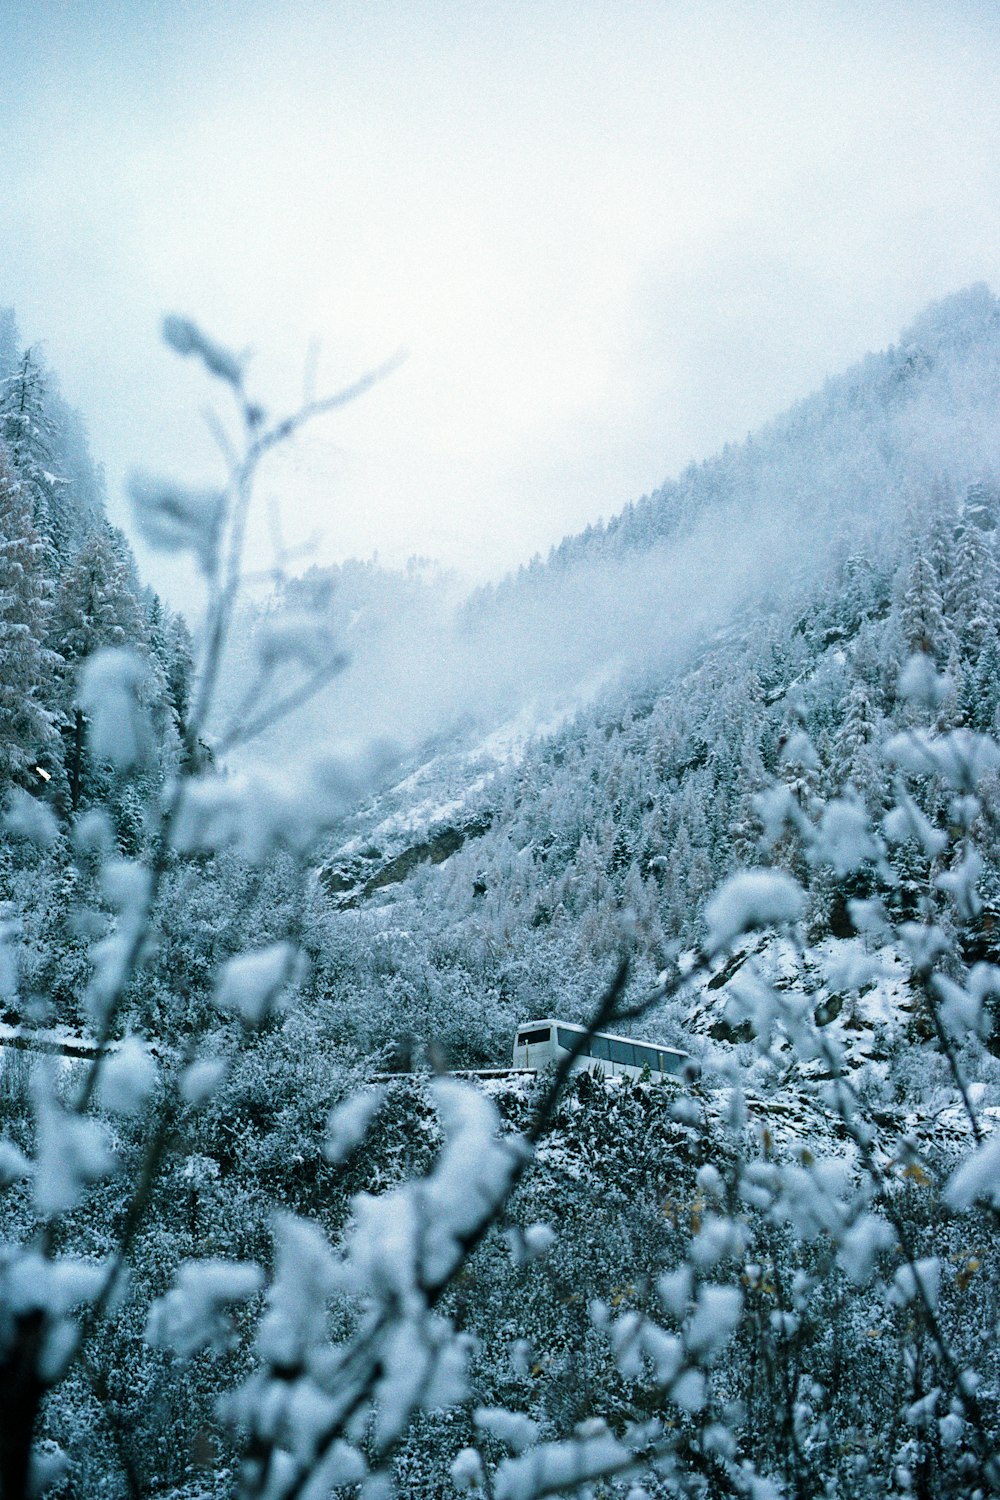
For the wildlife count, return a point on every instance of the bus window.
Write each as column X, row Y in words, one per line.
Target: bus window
column 566, row 1038
column 622, row 1053
column 600, row 1048
column 530, row 1038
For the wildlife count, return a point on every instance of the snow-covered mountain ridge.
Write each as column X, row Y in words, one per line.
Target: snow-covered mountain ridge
column 508, row 875
column 734, row 537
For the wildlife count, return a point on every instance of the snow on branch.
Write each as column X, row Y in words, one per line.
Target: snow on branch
column 186, row 338
column 751, row 900
column 175, row 518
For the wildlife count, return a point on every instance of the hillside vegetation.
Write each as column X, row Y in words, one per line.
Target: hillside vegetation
column 723, row 772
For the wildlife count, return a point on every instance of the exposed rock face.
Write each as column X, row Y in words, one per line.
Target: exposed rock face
column 353, row 881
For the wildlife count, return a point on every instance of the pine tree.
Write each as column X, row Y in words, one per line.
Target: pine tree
column 971, row 595
column 982, row 506
column 96, row 606
column 923, row 625
column 10, row 343
column 172, row 649
column 871, row 664
column 939, row 548
column 30, row 436
column 985, row 688
column 858, row 760
column 744, row 830
column 28, row 734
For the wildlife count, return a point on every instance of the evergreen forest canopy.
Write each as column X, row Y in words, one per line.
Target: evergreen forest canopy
column 723, row 772
column 68, row 588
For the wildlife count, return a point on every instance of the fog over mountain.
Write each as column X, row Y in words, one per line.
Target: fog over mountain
column 611, row 237
column 767, row 519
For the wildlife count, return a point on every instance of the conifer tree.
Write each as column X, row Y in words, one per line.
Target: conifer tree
column 28, row 734
column 922, row 617
column 29, row 434
column 985, row 689
column 858, row 762
column 9, row 342
column 972, row 589
column 982, row 506
column 744, row 822
column 172, row 650
column 96, row 606
column 940, row 544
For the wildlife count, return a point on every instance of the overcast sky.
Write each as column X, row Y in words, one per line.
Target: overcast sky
column 611, row 235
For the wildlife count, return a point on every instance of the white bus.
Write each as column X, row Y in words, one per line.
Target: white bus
column 539, row 1043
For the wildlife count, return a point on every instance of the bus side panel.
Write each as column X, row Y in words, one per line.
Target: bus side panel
column 540, row 1054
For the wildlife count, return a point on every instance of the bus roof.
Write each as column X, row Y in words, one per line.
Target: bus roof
column 613, row 1036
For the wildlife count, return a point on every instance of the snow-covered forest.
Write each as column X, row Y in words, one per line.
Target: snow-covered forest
column 722, row 773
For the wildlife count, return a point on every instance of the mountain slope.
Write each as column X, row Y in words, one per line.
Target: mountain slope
column 486, row 881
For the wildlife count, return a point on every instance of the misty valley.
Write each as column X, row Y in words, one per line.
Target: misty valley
column 532, row 1041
